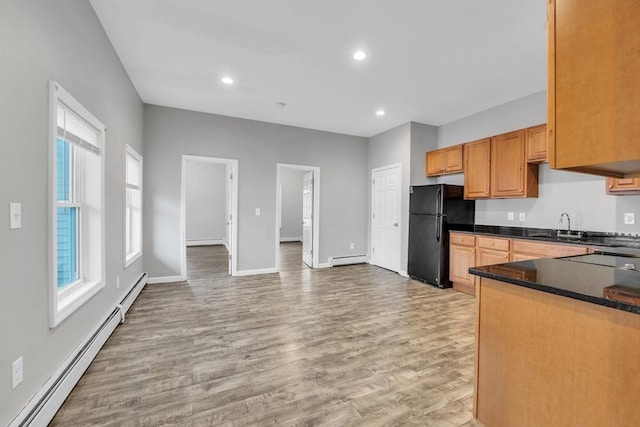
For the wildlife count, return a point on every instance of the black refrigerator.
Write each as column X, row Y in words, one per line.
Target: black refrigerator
column 434, row 210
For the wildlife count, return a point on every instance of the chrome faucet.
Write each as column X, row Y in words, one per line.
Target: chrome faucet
column 568, row 220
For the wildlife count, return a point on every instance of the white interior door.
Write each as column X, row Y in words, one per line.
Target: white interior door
column 307, row 219
column 229, row 213
column 385, row 218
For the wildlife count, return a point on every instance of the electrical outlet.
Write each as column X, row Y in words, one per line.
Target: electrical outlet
column 522, row 216
column 352, row 246
column 510, row 216
column 117, row 282
column 629, row 218
column 257, row 211
column 16, row 373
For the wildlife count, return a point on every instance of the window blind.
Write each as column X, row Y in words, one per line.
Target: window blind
column 75, row 130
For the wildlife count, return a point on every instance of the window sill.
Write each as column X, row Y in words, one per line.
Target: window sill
column 73, row 298
column 130, row 259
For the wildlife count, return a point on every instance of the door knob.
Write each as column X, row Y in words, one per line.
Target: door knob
column 395, row 224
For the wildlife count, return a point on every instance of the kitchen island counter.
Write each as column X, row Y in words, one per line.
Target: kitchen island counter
column 608, row 280
column 558, row 342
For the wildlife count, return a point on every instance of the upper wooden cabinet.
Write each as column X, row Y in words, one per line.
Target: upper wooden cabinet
column 623, row 186
column 497, row 168
column 477, row 164
column 445, row 160
column 507, row 160
column 536, row 144
column 594, row 88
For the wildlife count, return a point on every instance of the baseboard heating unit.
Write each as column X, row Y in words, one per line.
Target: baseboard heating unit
column 43, row 406
column 347, row 260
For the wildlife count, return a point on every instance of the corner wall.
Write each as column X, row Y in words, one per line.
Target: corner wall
column 62, row 41
column 258, row 147
column 405, row 144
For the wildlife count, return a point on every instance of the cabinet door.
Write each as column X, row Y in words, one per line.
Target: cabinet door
column 453, row 159
column 594, row 95
column 507, row 165
column 490, row 257
column 537, row 144
column 526, row 248
column 435, row 162
column 524, row 257
column 623, row 186
column 477, row 167
column 461, row 258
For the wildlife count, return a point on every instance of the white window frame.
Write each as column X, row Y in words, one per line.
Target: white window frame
column 130, row 257
column 91, row 253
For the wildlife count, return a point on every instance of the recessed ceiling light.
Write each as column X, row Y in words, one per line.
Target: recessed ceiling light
column 359, row 55
column 227, row 80
column 380, row 113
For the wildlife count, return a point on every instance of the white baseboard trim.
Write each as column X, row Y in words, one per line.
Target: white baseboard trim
column 166, row 279
column 291, row 239
column 324, row 265
column 255, row 272
column 206, row 242
column 403, row 273
column 42, row 407
column 347, row 260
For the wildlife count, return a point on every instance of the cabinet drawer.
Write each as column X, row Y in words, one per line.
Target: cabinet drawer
column 494, row 243
column 545, row 250
column 460, row 239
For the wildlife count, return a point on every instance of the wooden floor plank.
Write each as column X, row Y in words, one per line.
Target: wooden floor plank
column 352, row 345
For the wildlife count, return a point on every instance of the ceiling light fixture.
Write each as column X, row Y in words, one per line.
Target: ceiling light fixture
column 380, row 113
column 227, row 80
column 359, row 55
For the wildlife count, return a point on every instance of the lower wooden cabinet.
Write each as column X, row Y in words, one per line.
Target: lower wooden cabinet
column 525, row 249
column 461, row 259
column 467, row 250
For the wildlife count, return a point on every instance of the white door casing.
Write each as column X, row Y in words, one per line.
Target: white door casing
column 307, row 219
column 232, row 201
column 385, row 217
column 314, row 262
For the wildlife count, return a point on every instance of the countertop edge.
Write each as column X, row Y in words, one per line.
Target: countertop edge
column 478, row 271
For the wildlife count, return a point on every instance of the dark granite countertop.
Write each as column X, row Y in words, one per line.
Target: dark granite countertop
column 608, row 280
column 630, row 245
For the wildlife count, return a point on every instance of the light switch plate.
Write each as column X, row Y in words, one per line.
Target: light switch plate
column 15, row 215
column 629, row 218
column 257, row 211
column 510, row 216
column 522, row 216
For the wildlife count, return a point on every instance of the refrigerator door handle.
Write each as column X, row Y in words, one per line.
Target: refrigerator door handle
column 438, row 219
column 439, row 201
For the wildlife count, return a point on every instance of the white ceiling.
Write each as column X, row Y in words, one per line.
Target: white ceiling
column 430, row 61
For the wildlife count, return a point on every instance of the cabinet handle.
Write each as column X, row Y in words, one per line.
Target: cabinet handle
column 610, row 185
column 492, row 244
column 461, row 239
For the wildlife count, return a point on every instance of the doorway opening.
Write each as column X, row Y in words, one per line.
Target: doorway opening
column 385, row 217
column 209, row 208
column 297, row 215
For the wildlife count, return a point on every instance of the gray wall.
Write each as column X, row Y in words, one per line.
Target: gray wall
column 582, row 196
column 258, row 147
column 205, row 201
column 405, row 144
column 291, row 221
column 63, row 41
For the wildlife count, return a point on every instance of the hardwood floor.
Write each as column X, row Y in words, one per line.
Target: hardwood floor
column 353, row 345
